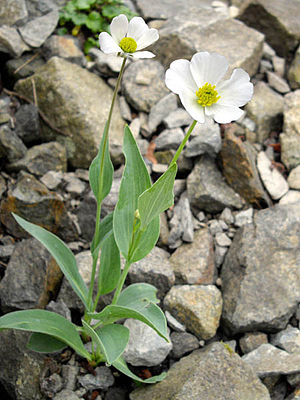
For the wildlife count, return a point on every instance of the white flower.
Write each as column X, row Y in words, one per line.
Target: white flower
column 127, row 38
column 202, row 91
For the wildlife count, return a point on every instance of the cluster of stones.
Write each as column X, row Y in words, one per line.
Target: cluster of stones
column 227, row 262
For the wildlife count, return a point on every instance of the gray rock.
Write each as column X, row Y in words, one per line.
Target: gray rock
column 11, row 42
column 66, row 394
column 252, row 340
column 124, row 109
column 267, row 360
column 145, row 346
column 173, row 323
column 27, row 123
column 294, row 178
column 13, row 12
column 183, row 343
column 222, row 239
column 254, row 264
column 197, row 307
column 16, row 73
column 169, row 139
column 74, row 185
column 161, row 110
column 212, row 373
column 279, row 65
column 11, row 146
column 294, row 71
column 220, row 253
column 52, row 179
column 69, row 374
column 107, row 65
column 226, row 216
column 59, row 307
column 178, row 118
column 207, row 189
column 85, row 214
column 64, row 47
column 243, row 217
column 36, row 31
column 278, row 83
column 215, row 227
column 206, row 138
column 42, row 7
column 288, row 339
column 51, row 385
column 155, row 269
column 194, row 263
column 143, row 84
column 292, row 196
column 265, row 109
column 102, row 379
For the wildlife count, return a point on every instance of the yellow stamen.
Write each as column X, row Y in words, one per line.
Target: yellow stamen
column 207, row 95
column 128, row 45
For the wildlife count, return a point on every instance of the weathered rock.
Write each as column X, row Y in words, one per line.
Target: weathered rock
column 212, row 373
column 206, row 138
column 83, row 108
column 16, row 73
column 51, row 385
column 278, row 83
column 194, row 263
column 106, row 64
column 143, row 84
column 11, row 42
column 243, row 217
column 52, row 179
column 267, row 360
column 278, row 22
column 169, row 139
column 86, row 216
column 145, row 346
column 207, row 189
column 239, row 168
column 178, row 118
column 64, row 47
column 265, row 109
column 252, row 340
column 13, row 12
column 197, row 307
column 263, row 259
column 292, row 196
column 161, row 110
column 183, row 343
column 102, row 379
column 294, row 178
column 294, row 71
column 173, row 323
column 42, row 7
column 222, row 239
column 11, row 146
column 288, row 339
column 27, row 123
column 66, row 394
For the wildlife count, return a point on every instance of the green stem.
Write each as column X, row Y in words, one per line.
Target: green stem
column 183, row 143
column 121, row 282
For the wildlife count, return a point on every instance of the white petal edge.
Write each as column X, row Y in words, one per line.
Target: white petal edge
column 149, row 37
column 237, row 90
column 107, row 44
column 179, row 78
column 189, row 102
column 119, row 27
column 136, row 28
column 143, row 54
column 208, row 67
column 224, row 114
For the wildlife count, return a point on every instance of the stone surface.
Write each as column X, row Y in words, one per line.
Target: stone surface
column 294, row 178
column 29, row 68
column 77, row 103
column 102, row 379
column 197, row 307
column 288, row 339
column 161, row 110
column 27, row 123
column 252, row 340
column 106, row 64
column 145, row 346
column 11, row 146
column 169, row 139
column 194, row 263
column 263, row 259
column 64, row 47
column 292, row 196
column 143, row 84
column 178, row 118
column 243, row 217
column 11, row 42
column 66, row 394
column 207, row 189
column 212, row 373
column 278, row 83
column 294, row 71
column 183, row 343
column 265, row 109
column 13, row 12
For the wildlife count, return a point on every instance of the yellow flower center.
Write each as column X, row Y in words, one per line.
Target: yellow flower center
column 128, row 45
column 207, row 95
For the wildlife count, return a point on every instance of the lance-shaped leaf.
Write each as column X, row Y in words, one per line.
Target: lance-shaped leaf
column 105, row 230
column 121, row 365
column 62, row 255
column 42, row 343
column 158, row 198
column 47, row 322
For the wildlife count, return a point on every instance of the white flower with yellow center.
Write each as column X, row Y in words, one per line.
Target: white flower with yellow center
column 128, row 38
column 202, row 91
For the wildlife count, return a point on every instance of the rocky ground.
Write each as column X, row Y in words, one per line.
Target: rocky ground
column 227, row 264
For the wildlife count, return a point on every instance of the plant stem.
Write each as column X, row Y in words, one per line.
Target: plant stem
column 186, row 138
column 121, row 282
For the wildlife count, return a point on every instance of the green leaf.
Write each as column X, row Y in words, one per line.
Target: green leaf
column 133, row 243
column 137, row 292
column 42, row 343
column 62, row 31
column 62, row 255
column 94, row 21
column 106, row 227
column 79, row 19
column 121, row 365
column 158, row 198
column 47, row 322
column 89, row 44
column 83, row 4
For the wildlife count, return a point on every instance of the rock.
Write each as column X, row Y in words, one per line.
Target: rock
column 226, row 216
column 22, row 381
column 36, row 9
column 13, row 12
column 212, row 373
column 66, row 394
column 265, row 109
column 155, row 269
column 102, row 379
column 177, row 118
column 243, row 217
column 64, row 47
column 107, row 65
column 288, row 339
column 173, row 323
column 215, row 227
column 220, row 253
column 183, row 343
column 30, row 199
column 274, row 182
column 290, row 144
column 27, row 123
column 254, row 264
column 125, row 109
column 52, row 179
column 294, row 71
column 11, row 42
column 11, row 146
column 206, row 139
column 85, row 214
column 36, row 31
column 207, row 189
column 239, row 168
column 278, row 83
column 278, row 22
column 252, row 340
column 222, row 239
column 42, row 158
column 16, row 73
column 194, row 263
column 69, row 374
column 59, row 307
column 143, row 84
column 292, row 196
column 267, row 360
column 279, row 65
column 294, row 178
column 161, row 110
column 83, row 109
column 295, row 395
column 31, row 278
column 51, row 385
column 198, row 307
column 75, row 186
column 169, row 139
column 145, row 346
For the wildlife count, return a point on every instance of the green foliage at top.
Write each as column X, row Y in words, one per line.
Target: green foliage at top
column 90, row 17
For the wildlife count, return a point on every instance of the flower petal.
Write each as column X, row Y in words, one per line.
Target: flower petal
column 179, row 78
column 143, row 54
column 118, row 27
column 237, row 90
column 224, row 114
column 208, row 67
column 150, row 36
column 189, row 102
column 136, row 28
column 107, row 44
